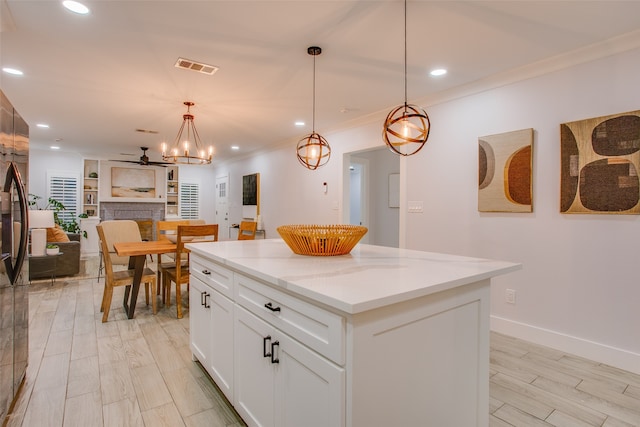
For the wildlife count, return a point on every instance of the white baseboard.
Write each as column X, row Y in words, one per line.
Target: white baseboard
column 597, row 352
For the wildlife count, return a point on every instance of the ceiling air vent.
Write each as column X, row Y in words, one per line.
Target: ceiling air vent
column 200, row 67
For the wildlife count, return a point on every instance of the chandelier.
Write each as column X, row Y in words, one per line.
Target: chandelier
column 313, row 150
column 189, row 150
column 406, row 128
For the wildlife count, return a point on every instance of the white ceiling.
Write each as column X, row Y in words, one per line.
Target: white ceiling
column 96, row 79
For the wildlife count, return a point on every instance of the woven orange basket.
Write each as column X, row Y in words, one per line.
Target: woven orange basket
column 322, row 240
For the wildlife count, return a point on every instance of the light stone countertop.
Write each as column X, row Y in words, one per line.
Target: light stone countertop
column 369, row 277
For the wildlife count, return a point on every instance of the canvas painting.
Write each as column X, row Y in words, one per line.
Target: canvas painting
column 599, row 160
column 130, row 182
column 505, row 172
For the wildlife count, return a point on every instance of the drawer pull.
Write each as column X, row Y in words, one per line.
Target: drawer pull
column 206, row 304
column 264, row 346
column 274, row 359
column 271, row 307
column 206, row 272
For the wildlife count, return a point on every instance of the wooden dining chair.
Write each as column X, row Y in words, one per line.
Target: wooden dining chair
column 124, row 277
column 179, row 272
column 165, row 231
column 247, row 230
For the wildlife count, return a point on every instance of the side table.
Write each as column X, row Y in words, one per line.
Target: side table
column 44, row 264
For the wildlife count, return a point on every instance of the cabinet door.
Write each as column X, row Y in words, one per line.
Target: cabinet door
column 89, row 245
column 200, row 320
column 221, row 338
column 309, row 389
column 254, row 372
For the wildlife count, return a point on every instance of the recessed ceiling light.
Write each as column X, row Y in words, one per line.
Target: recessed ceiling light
column 76, row 7
column 13, row 71
column 235, row 147
column 43, row 125
column 438, row 72
column 299, row 123
column 54, row 147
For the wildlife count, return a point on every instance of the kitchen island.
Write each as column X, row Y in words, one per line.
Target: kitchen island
column 379, row 337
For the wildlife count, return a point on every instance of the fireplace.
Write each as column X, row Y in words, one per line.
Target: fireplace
column 143, row 213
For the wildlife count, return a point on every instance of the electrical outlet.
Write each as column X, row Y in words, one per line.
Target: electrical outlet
column 510, row 296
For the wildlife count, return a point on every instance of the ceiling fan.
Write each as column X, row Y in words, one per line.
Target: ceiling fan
column 144, row 160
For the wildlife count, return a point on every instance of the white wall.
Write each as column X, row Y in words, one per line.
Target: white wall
column 41, row 161
column 578, row 290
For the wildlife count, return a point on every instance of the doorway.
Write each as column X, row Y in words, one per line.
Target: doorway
column 366, row 194
column 222, row 206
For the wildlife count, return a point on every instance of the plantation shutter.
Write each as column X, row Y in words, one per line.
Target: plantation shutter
column 65, row 190
column 189, row 200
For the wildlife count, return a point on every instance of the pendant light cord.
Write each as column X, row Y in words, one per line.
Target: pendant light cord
column 405, row 54
column 313, row 117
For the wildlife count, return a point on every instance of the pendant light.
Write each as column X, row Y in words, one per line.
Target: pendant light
column 189, row 150
column 313, row 150
column 406, row 128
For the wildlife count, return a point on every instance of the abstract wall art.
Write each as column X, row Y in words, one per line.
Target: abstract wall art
column 505, row 172
column 600, row 160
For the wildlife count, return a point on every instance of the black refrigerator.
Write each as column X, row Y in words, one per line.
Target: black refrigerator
column 14, row 298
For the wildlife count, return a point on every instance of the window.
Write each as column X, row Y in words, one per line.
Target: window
column 63, row 187
column 189, row 200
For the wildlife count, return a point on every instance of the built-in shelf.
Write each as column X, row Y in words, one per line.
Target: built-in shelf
column 173, row 190
column 91, row 196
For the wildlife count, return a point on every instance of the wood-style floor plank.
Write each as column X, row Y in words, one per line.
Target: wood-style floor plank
column 139, row 372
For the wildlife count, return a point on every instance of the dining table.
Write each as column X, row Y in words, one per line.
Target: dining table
column 137, row 253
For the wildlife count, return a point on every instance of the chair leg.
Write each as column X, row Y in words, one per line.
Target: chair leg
column 100, row 266
column 166, row 290
column 178, row 301
column 154, row 296
column 159, row 281
column 146, row 293
column 104, row 297
column 108, row 294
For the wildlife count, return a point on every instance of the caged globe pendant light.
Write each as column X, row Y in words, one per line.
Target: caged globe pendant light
column 407, row 126
column 313, row 150
column 190, row 149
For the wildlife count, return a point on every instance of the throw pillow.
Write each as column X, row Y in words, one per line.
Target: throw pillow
column 57, row 234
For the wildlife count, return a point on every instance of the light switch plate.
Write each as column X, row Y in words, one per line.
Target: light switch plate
column 415, row 206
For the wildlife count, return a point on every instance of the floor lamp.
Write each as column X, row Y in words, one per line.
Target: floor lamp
column 39, row 221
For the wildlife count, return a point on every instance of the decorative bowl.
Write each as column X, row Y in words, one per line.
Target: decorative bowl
column 321, row 240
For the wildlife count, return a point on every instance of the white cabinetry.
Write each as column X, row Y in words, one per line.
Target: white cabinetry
column 270, row 377
column 89, row 245
column 280, row 382
column 383, row 337
column 211, row 323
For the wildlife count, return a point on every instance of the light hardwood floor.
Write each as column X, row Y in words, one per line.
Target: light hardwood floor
column 139, row 372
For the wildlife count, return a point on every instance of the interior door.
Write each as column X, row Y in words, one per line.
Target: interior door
column 222, row 205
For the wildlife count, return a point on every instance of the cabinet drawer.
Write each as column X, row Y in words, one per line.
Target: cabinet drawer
column 315, row 327
column 218, row 277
